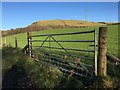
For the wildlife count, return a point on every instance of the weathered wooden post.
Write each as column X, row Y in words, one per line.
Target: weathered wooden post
column 29, row 44
column 102, row 49
column 16, row 42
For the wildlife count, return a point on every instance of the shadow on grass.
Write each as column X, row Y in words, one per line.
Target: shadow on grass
column 16, row 78
column 13, row 70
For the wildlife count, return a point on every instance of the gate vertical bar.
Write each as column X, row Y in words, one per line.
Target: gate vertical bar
column 49, row 42
column 50, row 47
column 29, row 44
column 95, row 53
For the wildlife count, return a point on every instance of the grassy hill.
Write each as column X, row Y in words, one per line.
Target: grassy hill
column 51, row 24
column 64, row 23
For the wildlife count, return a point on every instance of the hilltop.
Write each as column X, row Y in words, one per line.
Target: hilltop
column 51, row 24
column 65, row 23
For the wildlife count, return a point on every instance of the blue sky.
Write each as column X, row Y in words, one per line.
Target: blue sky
column 21, row 14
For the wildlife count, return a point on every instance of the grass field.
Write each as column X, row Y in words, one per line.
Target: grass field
column 112, row 38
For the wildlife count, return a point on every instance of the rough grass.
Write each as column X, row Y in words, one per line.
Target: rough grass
column 38, row 75
column 23, row 72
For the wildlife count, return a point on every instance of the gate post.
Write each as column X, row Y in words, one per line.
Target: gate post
column 102, row 49
column 29, row 43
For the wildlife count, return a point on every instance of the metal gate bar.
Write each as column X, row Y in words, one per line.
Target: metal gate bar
column 66, row 49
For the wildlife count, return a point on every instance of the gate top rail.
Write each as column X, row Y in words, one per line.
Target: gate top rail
column 63, row 41
column 71, row 33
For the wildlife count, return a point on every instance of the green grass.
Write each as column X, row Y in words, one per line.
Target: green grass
column 113, row 38
column 17, row 68
column 112, row 45
column 22, row 72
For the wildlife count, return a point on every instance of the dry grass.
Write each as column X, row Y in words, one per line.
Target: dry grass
column 67, row 22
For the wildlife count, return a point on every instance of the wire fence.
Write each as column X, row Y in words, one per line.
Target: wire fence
column 113, row 45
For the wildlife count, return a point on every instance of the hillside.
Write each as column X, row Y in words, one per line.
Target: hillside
column 51, row 24
column 65, row 23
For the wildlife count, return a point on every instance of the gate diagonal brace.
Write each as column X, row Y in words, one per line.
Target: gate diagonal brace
column 77, row 61
column 44, row 41
column 60, row 45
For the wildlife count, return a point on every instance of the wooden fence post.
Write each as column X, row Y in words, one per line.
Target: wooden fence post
column 29, row 43
column 16, row 42
column 102, row 49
